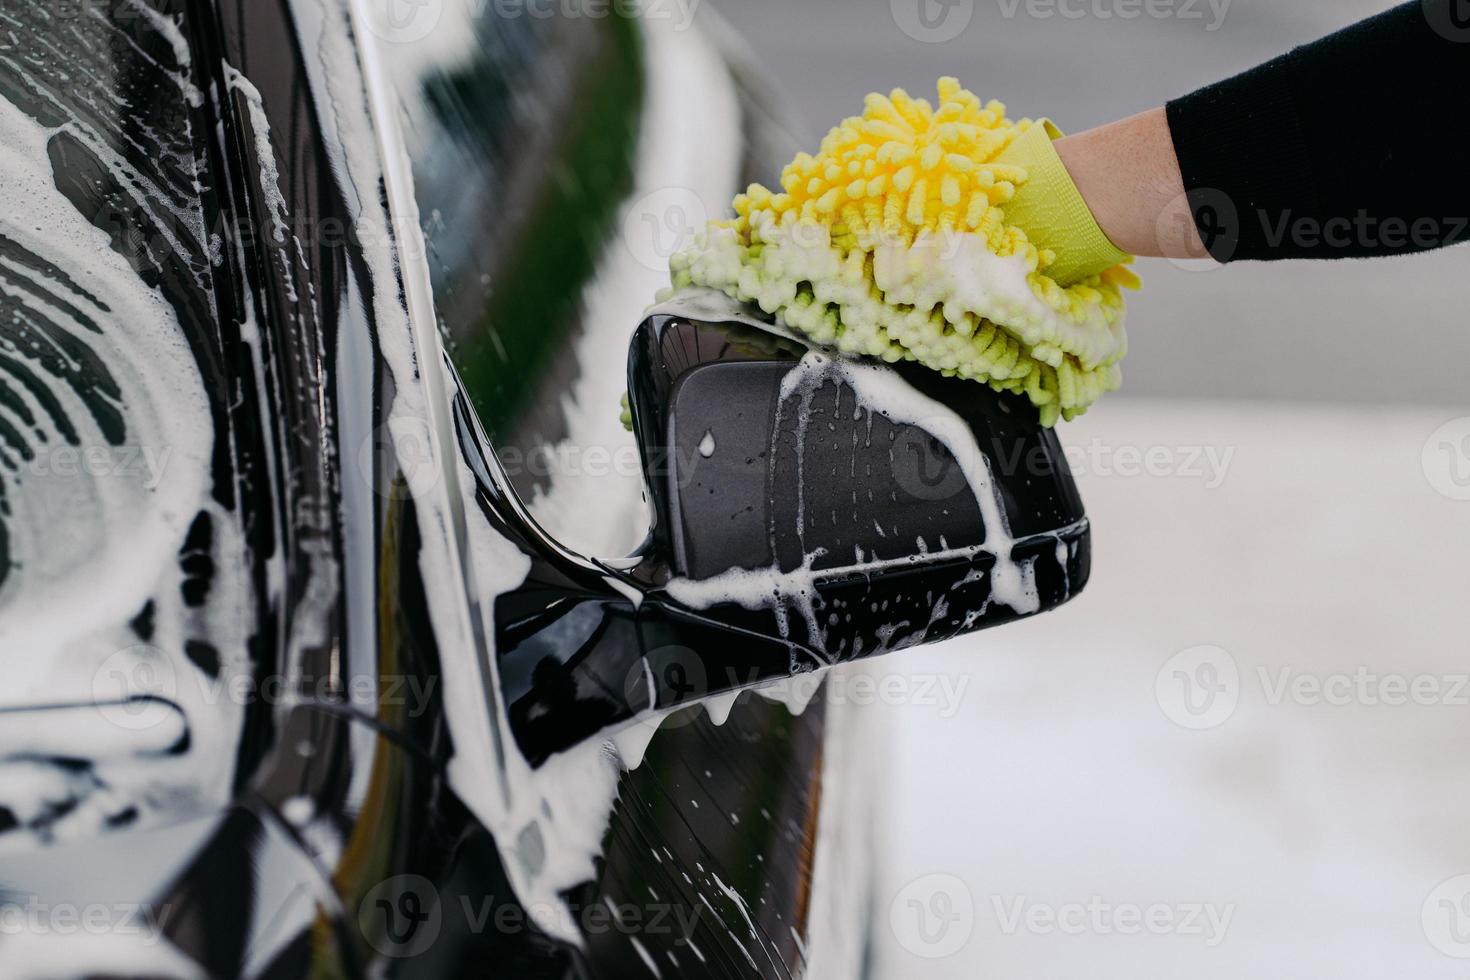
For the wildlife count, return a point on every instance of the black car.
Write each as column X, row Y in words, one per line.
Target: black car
column 346, row 632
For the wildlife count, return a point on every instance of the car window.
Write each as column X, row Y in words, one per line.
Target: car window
column 521, row 131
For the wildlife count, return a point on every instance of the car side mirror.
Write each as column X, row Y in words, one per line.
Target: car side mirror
column 807, row 510
column 845, row 508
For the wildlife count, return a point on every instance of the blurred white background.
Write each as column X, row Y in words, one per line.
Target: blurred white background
column 1242, row 752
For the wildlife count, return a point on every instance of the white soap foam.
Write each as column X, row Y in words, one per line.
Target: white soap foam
column 269, row 175
column 93, row 549
column 169, row 30
column 881, row 391
column 719, row 707
column 796, row 692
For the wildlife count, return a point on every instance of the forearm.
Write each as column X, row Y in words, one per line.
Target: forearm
column 1356, row 145
column 1129, row 176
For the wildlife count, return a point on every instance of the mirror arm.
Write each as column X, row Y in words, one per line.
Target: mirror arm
column 509, row 513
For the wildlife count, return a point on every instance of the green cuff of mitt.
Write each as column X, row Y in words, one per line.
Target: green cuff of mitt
column 1050, row 209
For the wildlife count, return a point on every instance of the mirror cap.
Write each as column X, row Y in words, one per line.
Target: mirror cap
column 841, row 508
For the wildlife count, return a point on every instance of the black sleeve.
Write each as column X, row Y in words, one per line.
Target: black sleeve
column 1356, row 145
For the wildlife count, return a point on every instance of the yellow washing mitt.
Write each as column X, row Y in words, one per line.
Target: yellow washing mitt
column 894, row 241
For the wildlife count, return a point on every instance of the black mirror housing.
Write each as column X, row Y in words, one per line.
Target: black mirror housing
column 807, row 510
column 843, row 509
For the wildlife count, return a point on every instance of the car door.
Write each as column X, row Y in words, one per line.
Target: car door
column 557, row 162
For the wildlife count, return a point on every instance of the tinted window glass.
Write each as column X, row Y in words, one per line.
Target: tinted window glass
column 521, row 131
